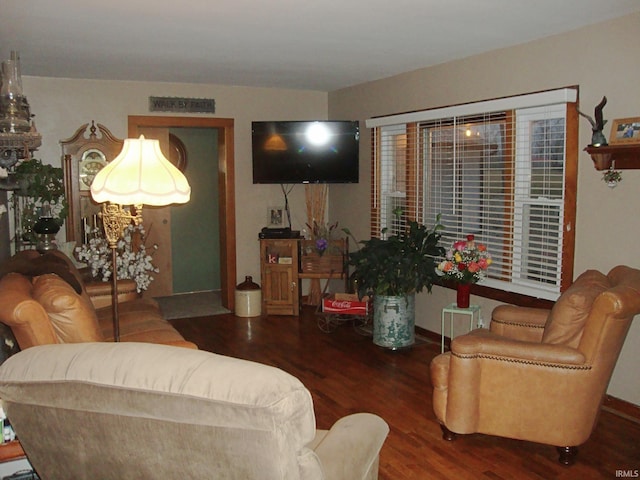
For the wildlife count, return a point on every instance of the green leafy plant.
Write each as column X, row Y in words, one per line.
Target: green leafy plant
column 399, row 265
column 42, row 182
column 42, row 191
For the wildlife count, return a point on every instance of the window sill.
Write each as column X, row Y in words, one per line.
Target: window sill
column 502, row 296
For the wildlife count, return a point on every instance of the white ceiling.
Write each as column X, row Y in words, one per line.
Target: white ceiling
column 314, row 45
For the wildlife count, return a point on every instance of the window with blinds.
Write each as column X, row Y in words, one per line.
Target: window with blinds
column 497, row 173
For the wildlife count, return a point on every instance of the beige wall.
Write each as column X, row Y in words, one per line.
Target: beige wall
column 602, row 60
column 63, row 105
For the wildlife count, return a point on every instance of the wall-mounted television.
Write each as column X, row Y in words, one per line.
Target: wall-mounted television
column 323, row 151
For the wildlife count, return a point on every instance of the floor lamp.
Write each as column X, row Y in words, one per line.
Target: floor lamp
column 139, row 175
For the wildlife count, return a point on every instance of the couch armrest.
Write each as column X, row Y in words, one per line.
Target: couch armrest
column 351, row 448
column 483, row 343
column 100, row 292
column 27, row 319
column 520, row 323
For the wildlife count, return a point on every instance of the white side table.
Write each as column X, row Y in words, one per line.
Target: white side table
column 452, row 310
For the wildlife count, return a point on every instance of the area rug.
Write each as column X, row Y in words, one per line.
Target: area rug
column 188, row 305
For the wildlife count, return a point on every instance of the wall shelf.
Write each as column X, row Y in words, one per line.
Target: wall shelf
column 626, row 156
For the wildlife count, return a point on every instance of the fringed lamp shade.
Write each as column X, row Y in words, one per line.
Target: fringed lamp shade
column 140, row 175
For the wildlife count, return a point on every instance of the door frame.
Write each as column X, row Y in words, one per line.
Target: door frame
column 226, row 188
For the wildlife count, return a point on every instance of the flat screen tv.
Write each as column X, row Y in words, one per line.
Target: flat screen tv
column 305, row 151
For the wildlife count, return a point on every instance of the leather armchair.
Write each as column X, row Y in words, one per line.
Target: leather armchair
column 539, row 375
column 127, row 410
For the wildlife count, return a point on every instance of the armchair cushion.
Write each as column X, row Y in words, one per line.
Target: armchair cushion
column 72, row 316
column 569, row 314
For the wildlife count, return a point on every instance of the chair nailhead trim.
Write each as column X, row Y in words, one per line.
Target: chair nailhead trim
column 515, row 324
column 525, row 362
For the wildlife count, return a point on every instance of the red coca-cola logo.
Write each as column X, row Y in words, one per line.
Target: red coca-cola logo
column 340, row 304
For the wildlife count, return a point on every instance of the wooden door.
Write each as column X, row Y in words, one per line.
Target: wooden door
column 157, row 224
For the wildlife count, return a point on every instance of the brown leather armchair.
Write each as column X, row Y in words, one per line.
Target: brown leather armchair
column 539, row 375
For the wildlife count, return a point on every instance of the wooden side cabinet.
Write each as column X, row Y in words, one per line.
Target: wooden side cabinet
column 279, row 276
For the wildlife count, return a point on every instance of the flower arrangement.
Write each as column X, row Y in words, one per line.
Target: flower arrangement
column 131, row 261
column 466, row 261
column 322, row 236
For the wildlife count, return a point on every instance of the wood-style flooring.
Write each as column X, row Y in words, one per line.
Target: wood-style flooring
column 346, row 373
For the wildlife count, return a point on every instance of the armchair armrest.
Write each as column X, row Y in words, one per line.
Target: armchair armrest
column 521, row 323
column 484, row 343
column 100, row 292
column 351, row 448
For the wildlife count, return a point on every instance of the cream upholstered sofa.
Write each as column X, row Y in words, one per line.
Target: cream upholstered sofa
column 539, row 375
column 148, row 411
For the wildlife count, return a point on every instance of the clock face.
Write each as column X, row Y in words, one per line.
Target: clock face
column 90, row 164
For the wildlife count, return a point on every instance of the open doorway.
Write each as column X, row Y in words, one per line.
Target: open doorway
column 196, row 224
column 226, row 197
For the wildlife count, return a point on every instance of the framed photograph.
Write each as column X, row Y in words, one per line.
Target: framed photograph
column 275, row 217
column 625, row 130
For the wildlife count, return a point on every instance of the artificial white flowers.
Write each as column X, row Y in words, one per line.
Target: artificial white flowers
column 132, row 262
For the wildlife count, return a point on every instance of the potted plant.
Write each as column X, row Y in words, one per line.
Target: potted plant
column 393, row 270
column 40, row 194
column 612, row 177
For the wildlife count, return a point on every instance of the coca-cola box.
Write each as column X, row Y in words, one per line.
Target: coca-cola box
column 345, row 304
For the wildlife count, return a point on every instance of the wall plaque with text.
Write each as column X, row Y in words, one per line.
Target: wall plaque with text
column 182, row 105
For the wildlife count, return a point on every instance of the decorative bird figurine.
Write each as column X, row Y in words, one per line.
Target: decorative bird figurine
column 597, row 138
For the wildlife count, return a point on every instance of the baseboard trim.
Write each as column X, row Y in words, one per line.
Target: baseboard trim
column 622, row 408
column 423, row 332
column 613, row 405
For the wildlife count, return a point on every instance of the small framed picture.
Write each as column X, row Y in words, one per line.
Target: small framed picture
column 625, row 130
column 275, row 217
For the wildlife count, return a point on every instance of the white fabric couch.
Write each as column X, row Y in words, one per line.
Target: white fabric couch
column 147, row 411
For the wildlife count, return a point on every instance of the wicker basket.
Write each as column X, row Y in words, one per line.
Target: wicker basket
column 332, row 261
column 321, row 264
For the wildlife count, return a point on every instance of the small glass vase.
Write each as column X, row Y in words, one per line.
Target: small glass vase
column 463, row 294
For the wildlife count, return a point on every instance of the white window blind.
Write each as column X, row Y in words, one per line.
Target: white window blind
column 498, row 174
column 397, row 192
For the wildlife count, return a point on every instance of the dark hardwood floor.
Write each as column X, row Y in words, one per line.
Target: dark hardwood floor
column 347, row 373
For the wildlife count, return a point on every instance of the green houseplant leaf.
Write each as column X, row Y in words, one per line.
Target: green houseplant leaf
column 40, row 185
column 399, row 265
